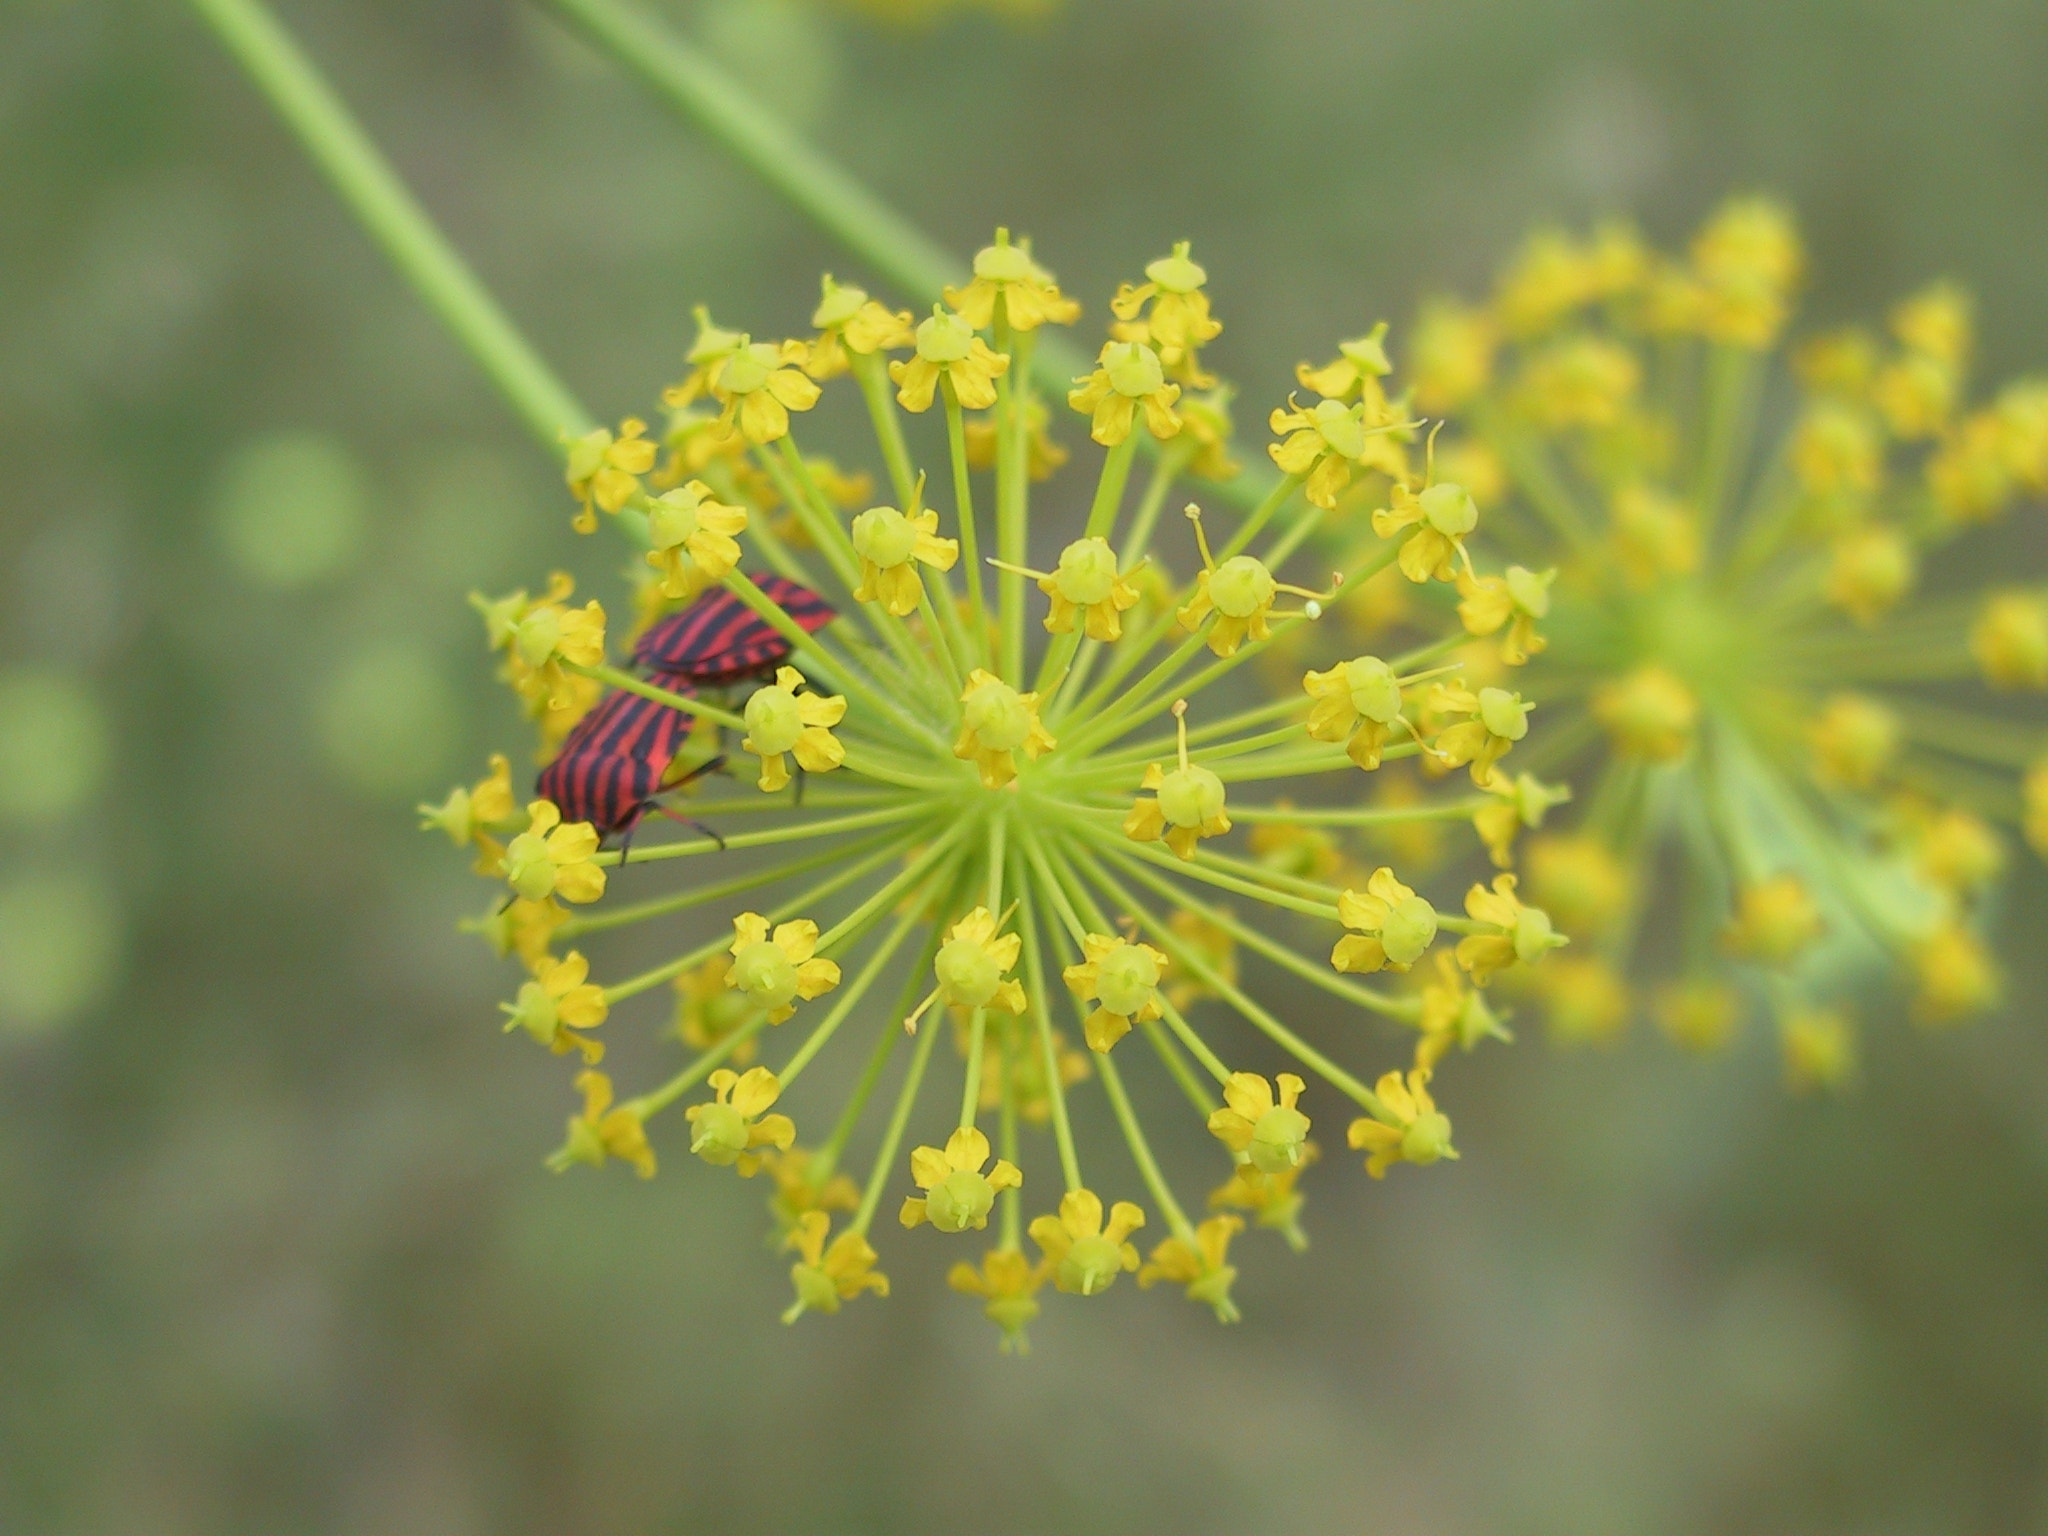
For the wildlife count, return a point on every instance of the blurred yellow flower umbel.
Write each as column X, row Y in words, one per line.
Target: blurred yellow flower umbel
column 1762, row 721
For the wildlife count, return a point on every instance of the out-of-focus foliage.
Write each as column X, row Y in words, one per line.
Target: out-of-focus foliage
column 276, row 1251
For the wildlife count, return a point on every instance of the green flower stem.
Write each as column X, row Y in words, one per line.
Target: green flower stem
column 1320, row 976
column 771, row 835
column 1008, row 1148
column 1296, row 535
column 692, row 84
column 856, row 922
column 795, row 907
column 1321, row 816
column 1529, row 466
column 977, row 1024
column 1110, row 719
column 1407, row 663
column 970, row 546
column 1012, row 491
column 892, row 1138
column 1258, row 1017
column 849, row 997
column 1141, row 1153
column 827, row 1157
column 761, row 532
column 1134, row 648
column 612, row 677
column 649, row 1104
column 871, row 372
column 2001, row 743
column 1166, row 469
column 840, row 678
column 703, row 895
column 1119, row 764
column 1176, row 1065
column 1070, row 885
column 1197, row 870
column 1041, row 1018
column 1262, row 514
column 1288, row 767
column 941, row 638
column 1109, row 486
column 1733, row 376
column 782, row 802
column 393, row 218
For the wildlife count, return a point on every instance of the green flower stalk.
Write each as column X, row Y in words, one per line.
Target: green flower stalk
column 1009, row 795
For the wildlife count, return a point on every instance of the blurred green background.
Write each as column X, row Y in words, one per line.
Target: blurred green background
column 276, row 1251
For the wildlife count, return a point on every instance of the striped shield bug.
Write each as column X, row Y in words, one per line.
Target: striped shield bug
column 617, row 763
column 719, row 639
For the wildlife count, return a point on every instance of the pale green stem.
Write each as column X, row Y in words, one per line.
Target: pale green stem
column 1109, row 487
column 837, row 881
column 1165, row 470
column 1011, row 1152
column 970, row 545
column 1388, row 816
column 870, row 371
column 702, row 895
column 850, row 995
column 1013, row 391
column 827, row 1158
column 1176, row 1065
column 649, row 1104
column 760, row 531
column 977, row 1024
column 1319, row 976
column 612, row 677
column 941, row 637
column 892, row 1138
column 1258, row 1017
column 1141, row 1154
column 1254, row 888
column 1260, row 515
column 394, row 219
column 641, row 854
column 1732, row 372
column 1041, row 1017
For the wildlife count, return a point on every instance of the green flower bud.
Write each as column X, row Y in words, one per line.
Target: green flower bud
column 773, row 723
column 884, row 536
column 1087, row 572
column 1449, row 509
column 945, row 338
column 1374, row 692
column 747, row 370
column 967, row 973
column 721, row 1134
column 1428, row 1140
column 534, row 1012
column 765, row 974
column 1133, row 369
column 1125, row 979
column 962, row 1200
column 1190, row 796
column 528, row 869
column 998, row 716
column 1092, row 1264
column 1177, row 273
column 1410, row 929
column 1277, row 1138
column 1343, row 430
column 1503, row 713
column 1240, row 587
column 1533, row 937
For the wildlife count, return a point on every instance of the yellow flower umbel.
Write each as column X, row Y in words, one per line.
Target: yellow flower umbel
column 825, row 1276
column 957, row 1194
column 782, row 722
column 604, row 471
column 1178, row 323
column 1394, row 926
column 996, row 723
column 729, row 1131
column 1201, row 1267
column 1765, row 718
column 553, row 859
column 891, row 546
column 1086, row 1254
column 693, row 538
column 965, row 835
column 557, row 1004
column 948, row 349
column 1122, row 979
column 1186, row 804
column 773, row 972
column 1407, row 1127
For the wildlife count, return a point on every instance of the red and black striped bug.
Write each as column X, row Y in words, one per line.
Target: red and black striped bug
column 616, row 764
column 719, row 639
